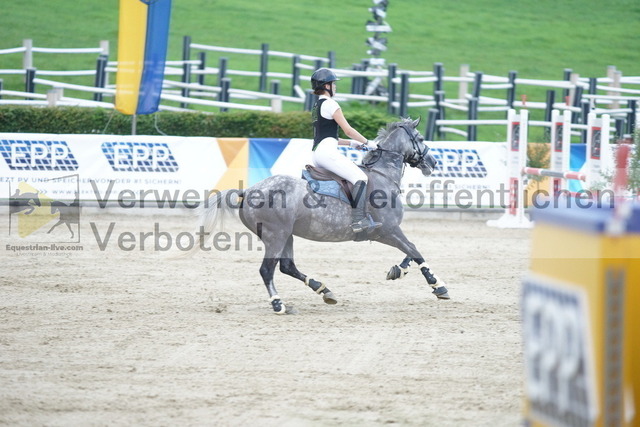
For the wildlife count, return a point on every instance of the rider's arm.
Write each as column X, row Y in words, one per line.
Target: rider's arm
column 338, row 116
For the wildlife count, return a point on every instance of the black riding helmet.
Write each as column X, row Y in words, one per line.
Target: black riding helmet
column 321, row 77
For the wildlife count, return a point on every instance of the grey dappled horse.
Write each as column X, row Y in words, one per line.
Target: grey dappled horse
column 280, row 207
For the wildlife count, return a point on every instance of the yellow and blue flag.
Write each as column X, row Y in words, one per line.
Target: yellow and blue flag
column 142, row 52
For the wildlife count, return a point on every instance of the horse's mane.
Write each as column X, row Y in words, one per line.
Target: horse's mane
column 384, row 133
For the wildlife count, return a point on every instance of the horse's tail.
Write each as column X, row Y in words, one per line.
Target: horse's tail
column 211, row 215
column 213, row 211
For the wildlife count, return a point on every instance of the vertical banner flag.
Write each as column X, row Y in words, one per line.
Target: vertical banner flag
column 142, row 51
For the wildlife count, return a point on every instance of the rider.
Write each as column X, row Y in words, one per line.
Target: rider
column 327, row 116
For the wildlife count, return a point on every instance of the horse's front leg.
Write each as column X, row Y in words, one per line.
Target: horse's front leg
column 397, row 239
column 399, row 271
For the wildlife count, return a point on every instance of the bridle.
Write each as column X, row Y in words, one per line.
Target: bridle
column 417, row 157
column 419, row 150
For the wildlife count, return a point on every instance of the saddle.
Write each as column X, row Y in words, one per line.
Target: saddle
column 325, row 182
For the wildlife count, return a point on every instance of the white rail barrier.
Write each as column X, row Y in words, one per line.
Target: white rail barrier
column 618, row 101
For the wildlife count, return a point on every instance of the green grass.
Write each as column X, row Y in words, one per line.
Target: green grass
column 538, row 39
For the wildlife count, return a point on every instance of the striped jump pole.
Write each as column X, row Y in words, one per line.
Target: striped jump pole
column 554, row 174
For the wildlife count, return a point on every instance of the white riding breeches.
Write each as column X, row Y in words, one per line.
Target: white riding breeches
column 327, row 156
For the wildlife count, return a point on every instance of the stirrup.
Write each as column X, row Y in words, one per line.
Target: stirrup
column 365, row 224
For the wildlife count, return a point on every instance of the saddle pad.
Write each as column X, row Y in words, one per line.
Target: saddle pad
column 326, row 188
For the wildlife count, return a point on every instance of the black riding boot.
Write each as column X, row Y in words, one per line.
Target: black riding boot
column 361, row 221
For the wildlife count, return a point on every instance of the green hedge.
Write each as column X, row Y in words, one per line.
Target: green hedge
column 241, row 124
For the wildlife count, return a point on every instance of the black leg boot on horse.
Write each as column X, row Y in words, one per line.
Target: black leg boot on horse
column 360, row 219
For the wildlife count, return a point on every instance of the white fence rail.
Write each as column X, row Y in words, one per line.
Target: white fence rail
column 185, row 84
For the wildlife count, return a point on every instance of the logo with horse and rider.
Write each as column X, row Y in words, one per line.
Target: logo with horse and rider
column 42, row 212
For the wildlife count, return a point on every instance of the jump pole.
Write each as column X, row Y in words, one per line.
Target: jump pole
column 554, row 174
column 560, row 154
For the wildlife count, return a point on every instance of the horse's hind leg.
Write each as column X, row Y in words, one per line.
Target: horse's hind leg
column 288, row 267
column 274, row 242
column 267, row 269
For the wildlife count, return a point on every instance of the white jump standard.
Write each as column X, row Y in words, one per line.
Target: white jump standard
column 597, row 147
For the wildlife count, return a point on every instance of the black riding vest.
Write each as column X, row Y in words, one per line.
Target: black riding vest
column 322, row 128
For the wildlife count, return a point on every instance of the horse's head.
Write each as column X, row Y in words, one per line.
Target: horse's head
column 403, row 137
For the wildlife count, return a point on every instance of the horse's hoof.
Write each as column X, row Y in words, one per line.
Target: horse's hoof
column 397, row 272
column 394, row 273
column 278, row 306
column 329, row 298
column 441, row 292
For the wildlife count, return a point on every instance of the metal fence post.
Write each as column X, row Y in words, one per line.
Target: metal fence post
column 354, row 79
column 392, row 88
column 186, row 67
column 585, row 108
column 364, row 80
column 29, row 86
column 264, row 65
column 439, row 96
column 577, row 102
column 620, row 128
column 477, row 84
column 186, row 48
column 566, row 76
column 295, row 74
column 431, row 124
column 331, row 56
column 276, row 103
column 202, row 65
column 438, row 72
column 548, row 111
column 100, row 79
column 222, row 70
column 186, row 78
column 472, row 130
column 404, row 94
column 275, row 87
column 511, row 92
column 593, row 82
column 309, row 100
column 224, row 93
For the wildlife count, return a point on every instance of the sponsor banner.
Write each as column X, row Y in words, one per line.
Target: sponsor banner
column 558, row 352
column 110, row 167
column 293, row 158
column 468, row 175
column 156, row 170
